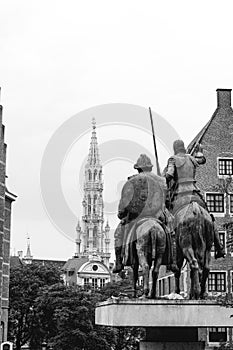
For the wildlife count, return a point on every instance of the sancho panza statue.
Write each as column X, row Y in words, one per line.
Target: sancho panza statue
column 143, row 196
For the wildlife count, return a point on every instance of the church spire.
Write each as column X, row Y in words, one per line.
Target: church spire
column 91, row 234
column 93, row 156
column 28, row 257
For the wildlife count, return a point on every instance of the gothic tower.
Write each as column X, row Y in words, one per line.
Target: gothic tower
column 92, row 238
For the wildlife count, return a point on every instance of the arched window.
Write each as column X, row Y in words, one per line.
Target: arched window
column 89, row 175
column 89, row 204
column 95, row 175
column 100, row 175
column 95, row 237
column 95, row 204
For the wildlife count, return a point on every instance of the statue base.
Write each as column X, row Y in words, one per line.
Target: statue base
column 169, row 324
column 172, row 346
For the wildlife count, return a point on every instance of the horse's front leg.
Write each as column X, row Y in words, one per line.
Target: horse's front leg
column 155, row 274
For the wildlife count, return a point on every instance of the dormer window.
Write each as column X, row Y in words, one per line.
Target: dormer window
column 225, row 166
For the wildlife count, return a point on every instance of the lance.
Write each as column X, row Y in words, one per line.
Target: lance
column 155, row 148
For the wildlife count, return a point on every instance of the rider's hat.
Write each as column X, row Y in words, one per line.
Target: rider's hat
column 178, row 147
column 143, row 162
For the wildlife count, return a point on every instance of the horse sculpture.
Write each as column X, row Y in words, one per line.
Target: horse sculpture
column 194, row 237
column 147, row 247
column 141, row 239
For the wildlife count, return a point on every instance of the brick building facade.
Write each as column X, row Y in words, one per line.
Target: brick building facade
column 214, row 179
column 6, row 199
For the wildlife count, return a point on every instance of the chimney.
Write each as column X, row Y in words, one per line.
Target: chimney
column 20, row 254
column 224, row 98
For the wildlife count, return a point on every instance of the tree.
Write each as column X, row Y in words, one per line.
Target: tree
column 25, row 284
column 66, row 319
column 128, row 338
column 43, row 309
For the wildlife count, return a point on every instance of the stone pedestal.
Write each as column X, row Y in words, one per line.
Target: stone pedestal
column 169, row 324
column 172, row 346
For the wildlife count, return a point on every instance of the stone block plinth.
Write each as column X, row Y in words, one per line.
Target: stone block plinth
column 163, row 313
column 172, row 346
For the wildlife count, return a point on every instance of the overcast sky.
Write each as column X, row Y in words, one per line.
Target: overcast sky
column 58, row 58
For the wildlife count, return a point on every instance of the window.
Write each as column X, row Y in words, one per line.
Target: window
column 215, row 202
column 217, row 334
column 89, row 175
column 86, row 282
column 95, row 282
column 102, row 282
column 95, row 204
column 222, row 239
column 231, row 203
column 217, row 282
column 89, row 204
column 70, row 273
column 225, row 166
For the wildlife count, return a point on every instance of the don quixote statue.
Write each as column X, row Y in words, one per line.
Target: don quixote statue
column 164, row 221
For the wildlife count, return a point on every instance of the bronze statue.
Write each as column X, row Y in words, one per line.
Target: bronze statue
column 142, row 237
column 194, row 226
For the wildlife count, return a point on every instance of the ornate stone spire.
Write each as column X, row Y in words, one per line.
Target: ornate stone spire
column 28, row 257
column 93, row 156
column 91, row 234
column 78, row 239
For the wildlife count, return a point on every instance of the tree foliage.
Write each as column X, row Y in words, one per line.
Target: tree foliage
column 66, row 318
column 44, row 309
column 25, row 284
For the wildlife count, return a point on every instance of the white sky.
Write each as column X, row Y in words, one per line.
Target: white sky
column 58, row 58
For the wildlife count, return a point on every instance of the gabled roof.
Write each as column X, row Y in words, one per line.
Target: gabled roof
column 74, row 263
column 200, row 135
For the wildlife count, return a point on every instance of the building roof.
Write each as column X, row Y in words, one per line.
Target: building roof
column 46, row 262
column 223, row 103
column 197, row 139
column 74, row 263
column 15, row 261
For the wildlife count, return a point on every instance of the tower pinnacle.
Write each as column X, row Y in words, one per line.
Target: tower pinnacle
column 91, row 235
column 28, row 257
column 93, row 156
column 93, row 123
